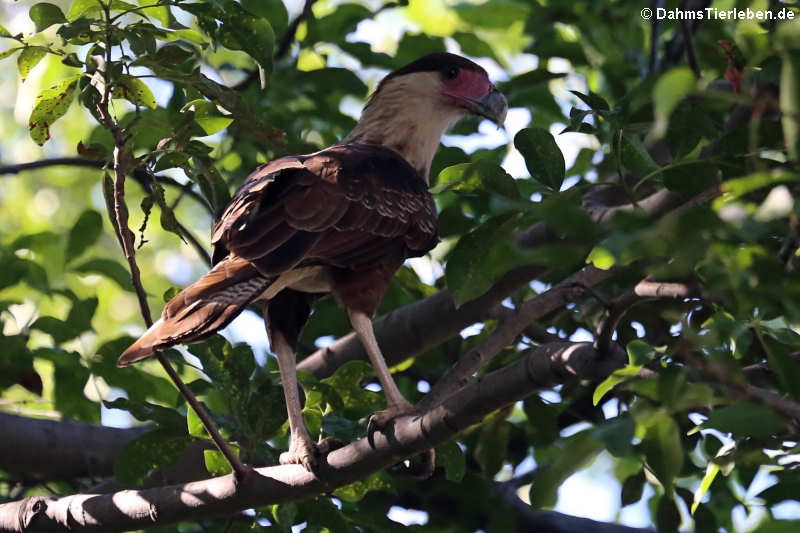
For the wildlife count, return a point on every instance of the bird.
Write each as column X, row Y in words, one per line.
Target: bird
column 340, row 221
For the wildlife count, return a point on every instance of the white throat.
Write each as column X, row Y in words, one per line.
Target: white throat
column 407, row 115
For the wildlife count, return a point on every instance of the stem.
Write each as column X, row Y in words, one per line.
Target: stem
column 126, row 237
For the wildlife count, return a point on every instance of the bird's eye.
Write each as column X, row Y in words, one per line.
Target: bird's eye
column 451, row 73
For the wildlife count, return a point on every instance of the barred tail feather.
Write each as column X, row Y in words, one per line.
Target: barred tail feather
column 201, row 309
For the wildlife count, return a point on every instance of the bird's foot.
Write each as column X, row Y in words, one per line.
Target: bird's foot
column 308, row 453
column 420, row 467
column 380, row 420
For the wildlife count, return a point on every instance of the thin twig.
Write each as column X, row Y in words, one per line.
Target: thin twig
column 644, row 291
column 127, row 238
column 655, row 36
column 690, row 55
column 288, row 37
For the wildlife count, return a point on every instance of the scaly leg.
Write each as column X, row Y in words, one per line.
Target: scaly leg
column 302, row 450
column 396, row 404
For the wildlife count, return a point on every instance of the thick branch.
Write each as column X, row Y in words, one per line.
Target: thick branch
column 223, row 495
column 419, row 326
column 461, row 373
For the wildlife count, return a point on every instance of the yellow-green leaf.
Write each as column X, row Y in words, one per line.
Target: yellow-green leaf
column 10, row 51
column 51, row 104
column 135, row 91
column 29, row 58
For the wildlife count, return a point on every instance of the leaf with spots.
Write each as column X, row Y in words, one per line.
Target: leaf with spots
column 29, row 58
column 135, row 91
column 51, row 104
column 11, row 51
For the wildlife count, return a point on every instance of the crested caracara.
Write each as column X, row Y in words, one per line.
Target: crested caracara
column 339, row 221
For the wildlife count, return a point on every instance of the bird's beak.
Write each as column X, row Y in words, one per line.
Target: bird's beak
column 493, row 106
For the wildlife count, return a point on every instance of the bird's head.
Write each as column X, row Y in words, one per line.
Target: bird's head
column 414, row 105
column 450, row 83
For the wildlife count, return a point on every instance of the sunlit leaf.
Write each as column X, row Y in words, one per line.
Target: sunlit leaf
column 134, row 90
column 51, row 104
column 45, row 15
column 29, row 58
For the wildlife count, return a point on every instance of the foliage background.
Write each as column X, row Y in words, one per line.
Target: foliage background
column 644, row 115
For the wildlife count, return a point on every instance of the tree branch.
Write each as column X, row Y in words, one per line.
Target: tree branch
column 224, row 495
column 288, row 37
column 420, row 325
column 462, row 371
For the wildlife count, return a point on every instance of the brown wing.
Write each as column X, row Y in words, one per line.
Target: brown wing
column 202, row 308
column 347, row 206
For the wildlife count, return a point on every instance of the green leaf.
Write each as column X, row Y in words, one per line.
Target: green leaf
column 497, row 14
column 618, row 376
column 635, row 157
column 356, row 491
column 134, row 90
column 45, row 15
column 473, row 46
column 29, row 58
column 450, row 457
column 712, row 469
column 481, row 256
column 145, row 411
column 84, row 233
column 778, row 526
column 593, row 100
column 152, row 451
column 789, row 102
column 4, row 32
column 208, row 116
column 662, row 447
column 479, row 176
column 668, row 92
column 108, row 268
column 632, row 488
column 577, row 452
column 543, row 158
column 346, row 381
column 195, row 425
column 668, row 518
column 321, row 512
column 10, row 52
column 253, row 35
column 51, row 104
column 82, row 7
column 272, row 10
column 745, row 419
column 216, row 463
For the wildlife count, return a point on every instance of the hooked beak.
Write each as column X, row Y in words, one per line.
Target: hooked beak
column 493, row 106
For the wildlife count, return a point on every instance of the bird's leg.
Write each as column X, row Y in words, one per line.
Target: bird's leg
column 396, row 404
column 302, row 450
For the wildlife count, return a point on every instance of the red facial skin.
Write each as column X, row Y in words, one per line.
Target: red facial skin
column 466, row 88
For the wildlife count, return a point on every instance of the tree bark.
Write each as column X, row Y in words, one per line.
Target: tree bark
column 130, row 509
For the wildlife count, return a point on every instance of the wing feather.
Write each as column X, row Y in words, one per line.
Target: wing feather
column 344, row 206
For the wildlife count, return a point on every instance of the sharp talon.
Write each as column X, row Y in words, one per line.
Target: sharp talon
column 372, row 427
